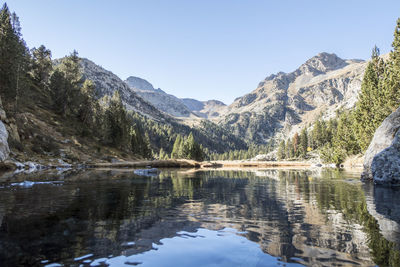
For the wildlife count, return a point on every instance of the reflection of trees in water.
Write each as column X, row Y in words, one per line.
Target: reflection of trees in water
column 349, row 199
column 97, row 211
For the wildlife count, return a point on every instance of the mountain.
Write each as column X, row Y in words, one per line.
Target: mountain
column 165, row 102
column 206, row 109
column 283, row 103
column 107, row 82
column 158, row 124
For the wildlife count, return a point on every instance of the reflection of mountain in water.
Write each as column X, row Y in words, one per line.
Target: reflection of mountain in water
column 299, row 216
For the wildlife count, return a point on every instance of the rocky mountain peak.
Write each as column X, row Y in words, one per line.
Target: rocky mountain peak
column 139, row 83
column 283, row 103
column 323, row 62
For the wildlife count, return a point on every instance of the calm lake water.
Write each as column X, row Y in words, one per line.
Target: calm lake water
column 203, row 218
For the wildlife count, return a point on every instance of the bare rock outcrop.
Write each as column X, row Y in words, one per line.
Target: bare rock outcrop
column 4, row 148
column 382, row 159
column 284, row 103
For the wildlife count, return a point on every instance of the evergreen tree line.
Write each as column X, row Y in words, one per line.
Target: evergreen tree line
column 333, row 139
column 242, row 154
column 296, row 147
column 186, row 148
column 162, row 135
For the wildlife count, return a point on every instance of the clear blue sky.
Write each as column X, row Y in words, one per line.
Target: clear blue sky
column 206, row 49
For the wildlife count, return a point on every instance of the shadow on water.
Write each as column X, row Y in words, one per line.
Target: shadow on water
column 115, row 217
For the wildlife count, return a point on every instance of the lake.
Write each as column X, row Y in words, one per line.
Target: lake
column 197, row 218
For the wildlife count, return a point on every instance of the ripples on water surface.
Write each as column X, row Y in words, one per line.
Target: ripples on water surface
column 203, row 218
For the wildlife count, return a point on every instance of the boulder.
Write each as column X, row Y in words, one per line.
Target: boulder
column 4, row 149
column 382, row 159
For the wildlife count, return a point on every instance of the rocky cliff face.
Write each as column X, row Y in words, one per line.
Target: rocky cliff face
column 382, row 159
column 286, row 102
column 206, row 109
column 107, row 83
column 165, row 102
column 4, row 149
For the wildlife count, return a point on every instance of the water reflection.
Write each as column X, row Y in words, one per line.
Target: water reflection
column 195, row 218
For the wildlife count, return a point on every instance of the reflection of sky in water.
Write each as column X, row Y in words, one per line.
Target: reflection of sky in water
column 268, row 217
column 202, row 248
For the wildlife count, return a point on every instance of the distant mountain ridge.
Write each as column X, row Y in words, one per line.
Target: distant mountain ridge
column 206, row 109
column 283, row 103
column 167, row 103
column 211, row 136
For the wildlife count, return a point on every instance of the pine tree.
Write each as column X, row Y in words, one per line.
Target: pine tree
column 371, row 106
column 139, row 143
column 193, row 150
column 146, row 148
column 177, row 148
column 289, row 151
column 281, row 150
column 58, row 91
column 162, row 154
column 303, row 142
column 88, row 105
column 317, row 135
column 41, row 65
column 116, row 122
column 14, row 58
column 65, row 85
column 344, row 140
column 296, row 145
column 391, row 80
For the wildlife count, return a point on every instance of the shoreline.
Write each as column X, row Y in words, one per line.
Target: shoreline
column 10, row 165
column 14, row 168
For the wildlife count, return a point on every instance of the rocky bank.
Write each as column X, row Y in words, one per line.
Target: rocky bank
column 4, row 149
column 382, row 159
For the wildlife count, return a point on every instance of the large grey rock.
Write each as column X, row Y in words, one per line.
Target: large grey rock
column 4, row 149
column 382, row 159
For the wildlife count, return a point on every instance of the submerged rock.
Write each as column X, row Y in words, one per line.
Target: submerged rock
column 382, row 159
column 147, row 172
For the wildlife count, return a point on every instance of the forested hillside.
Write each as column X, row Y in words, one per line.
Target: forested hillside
column 63, row 108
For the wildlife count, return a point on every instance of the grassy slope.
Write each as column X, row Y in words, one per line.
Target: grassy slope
column 46, row 137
